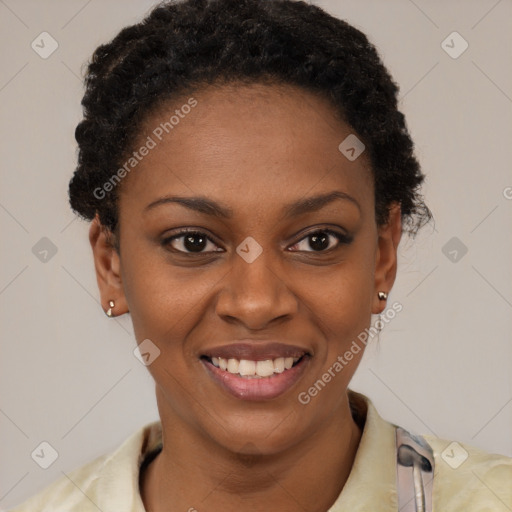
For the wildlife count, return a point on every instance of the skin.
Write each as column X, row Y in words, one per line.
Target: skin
column 252, row 149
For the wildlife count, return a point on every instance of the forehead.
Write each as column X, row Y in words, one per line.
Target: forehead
column 257, row 144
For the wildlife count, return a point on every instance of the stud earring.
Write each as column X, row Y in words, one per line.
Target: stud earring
column 382, row 295
column 109, row 312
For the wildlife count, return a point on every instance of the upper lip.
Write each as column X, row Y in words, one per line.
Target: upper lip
column 255, row 351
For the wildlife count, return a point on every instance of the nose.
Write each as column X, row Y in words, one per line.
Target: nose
column 256, row 294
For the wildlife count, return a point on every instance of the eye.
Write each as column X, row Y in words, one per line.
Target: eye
column 320, row 241
column 190, row 242
column 197, row 242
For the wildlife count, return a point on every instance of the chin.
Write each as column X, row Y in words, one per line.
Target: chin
column 261, row 434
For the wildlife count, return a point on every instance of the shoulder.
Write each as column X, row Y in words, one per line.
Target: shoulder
column 467, row 478
column 65, row 494
column 109, row 482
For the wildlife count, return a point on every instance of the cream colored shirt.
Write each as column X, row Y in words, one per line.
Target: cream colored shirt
column 482, row 482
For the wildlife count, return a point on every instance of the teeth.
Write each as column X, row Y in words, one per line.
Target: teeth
column 246, row 367
column 254, row 369
column 265, row 368
column 288, row 363
column 279, row 365
column 233, row 365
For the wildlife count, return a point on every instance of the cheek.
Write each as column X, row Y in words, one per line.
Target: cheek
column 340, row 304
column 164, row 300
column 342, row 299
column 342, row 313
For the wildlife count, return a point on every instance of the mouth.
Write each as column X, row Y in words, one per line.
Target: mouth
column 256, row 372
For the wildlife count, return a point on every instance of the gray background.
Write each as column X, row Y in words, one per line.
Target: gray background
column 442, row 366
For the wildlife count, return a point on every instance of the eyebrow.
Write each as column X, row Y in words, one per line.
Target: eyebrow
column 209, row 207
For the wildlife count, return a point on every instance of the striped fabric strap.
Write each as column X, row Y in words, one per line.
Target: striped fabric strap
column 414, row 472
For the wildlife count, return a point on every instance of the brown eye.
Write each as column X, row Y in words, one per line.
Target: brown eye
column 322, row 240
column 190, row 242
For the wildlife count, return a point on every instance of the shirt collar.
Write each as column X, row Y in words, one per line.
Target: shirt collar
column 371, row 484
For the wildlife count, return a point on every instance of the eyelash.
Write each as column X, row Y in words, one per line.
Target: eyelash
column 342, row 239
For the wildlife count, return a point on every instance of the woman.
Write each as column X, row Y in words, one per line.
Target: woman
column 249, row 177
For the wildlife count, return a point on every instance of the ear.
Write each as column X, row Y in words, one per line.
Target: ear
column 386, row 259
column 107, row 264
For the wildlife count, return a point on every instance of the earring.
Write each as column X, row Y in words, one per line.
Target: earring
column 382, row 295
column 109, row 312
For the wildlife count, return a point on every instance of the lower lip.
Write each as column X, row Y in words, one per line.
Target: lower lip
column 263, row 388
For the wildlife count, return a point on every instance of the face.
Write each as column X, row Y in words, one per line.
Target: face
column 248, row 240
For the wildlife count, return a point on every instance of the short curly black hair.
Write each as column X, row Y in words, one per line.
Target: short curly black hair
column 185, row 45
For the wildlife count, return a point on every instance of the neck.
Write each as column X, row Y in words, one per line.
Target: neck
column 192, row 473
